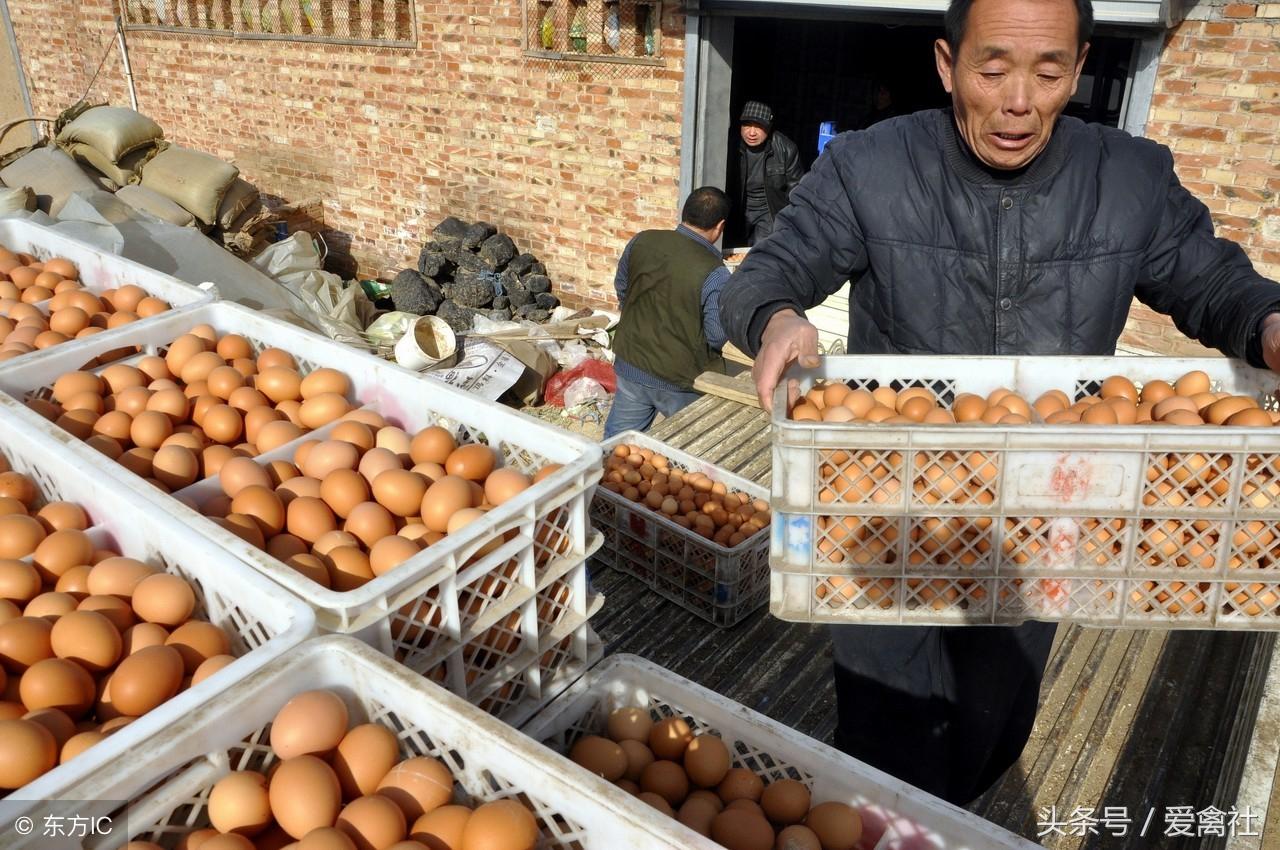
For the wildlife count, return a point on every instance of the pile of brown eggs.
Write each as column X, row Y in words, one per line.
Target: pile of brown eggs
column 338, row 786
column 691, row 500
column 89, row 640
column 354, row 506
column 691, row 778
column 1186, row 401
column 174, row 418
column 344, row 510
column 69, row 310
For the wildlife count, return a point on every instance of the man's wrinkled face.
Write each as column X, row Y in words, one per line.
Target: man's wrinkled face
column 753, row 134
column 1012, row 76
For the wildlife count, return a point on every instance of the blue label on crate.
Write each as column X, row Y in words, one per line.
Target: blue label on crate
column 797, row 531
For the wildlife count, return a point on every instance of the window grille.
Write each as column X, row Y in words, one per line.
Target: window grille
column 622, row 31
column 372, row 22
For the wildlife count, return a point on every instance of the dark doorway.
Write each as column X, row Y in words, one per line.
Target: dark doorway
column 811, row 71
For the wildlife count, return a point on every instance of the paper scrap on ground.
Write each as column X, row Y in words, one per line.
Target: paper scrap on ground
column 482, row 368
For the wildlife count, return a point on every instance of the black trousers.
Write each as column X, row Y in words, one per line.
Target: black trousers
column 947, row 709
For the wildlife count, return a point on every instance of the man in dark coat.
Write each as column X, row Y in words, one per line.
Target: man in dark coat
column 769, row 168
column 994, row 227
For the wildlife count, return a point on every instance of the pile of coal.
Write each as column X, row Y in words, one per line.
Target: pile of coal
column 466, row 270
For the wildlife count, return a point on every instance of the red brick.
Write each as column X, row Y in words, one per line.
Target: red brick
column 1239, row 10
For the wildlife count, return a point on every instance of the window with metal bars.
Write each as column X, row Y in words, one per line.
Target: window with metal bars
column 373, row 22
column 628, row 31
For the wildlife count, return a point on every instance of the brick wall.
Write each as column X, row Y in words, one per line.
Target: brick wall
column 570, row 159
column 1217, row 106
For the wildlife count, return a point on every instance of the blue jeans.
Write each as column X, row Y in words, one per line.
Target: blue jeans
column 635, row 406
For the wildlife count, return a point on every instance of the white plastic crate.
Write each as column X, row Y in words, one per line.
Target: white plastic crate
column 262, row 620
column 895, row 815
column 99, row 270
column 489, row 760
column 1147, row 526
column 549, row 519
column 720, row 584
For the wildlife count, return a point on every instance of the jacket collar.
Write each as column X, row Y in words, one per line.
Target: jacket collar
column 968, row 166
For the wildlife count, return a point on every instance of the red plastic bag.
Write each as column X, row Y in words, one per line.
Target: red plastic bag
column 597, row 370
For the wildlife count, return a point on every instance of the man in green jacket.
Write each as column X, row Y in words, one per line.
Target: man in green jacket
column 668, row 284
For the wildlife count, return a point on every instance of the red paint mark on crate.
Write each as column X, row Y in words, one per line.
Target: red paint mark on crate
column 1056, row 591
column 1071, row 479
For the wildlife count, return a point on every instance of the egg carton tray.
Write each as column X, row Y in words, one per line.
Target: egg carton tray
column 262, row 620
column 719, row 584
column 98, row 270
column 545, row 522
column 167, row 788
column 1152, row 526
column 895, row 815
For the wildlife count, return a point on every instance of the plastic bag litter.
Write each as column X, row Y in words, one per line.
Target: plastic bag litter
column 571, row 354
column 340, row 311
column 386, row 330
column 584, row 390
column 599, row 372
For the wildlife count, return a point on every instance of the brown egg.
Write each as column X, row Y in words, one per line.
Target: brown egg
column 75, row 581
column 364, row 757
column 304, row 795
column 328, row 456
column 348, row 568
column 600, row 756
column 440, row 828
column 706, row 759
column 223, row 424
column 785, row 801
column 372, row 822
column 320, row 410
column 390, row 552
column 1250, row 417
column 25, row 641
column 740, row 784
column 175, row 466
column 299, row 486
column 377, row 461
column 742, row 830
column 245, row 399
column 1172, row 403
column 210, row 666
column 668, row 738
column 1223, row 409
column 323, row 381
column 78, row 743
column 15, row 485
column 667, row 779
column 278, row 383
column 311, row 567
column 196, row 641
column 1191, row 383
column 51, row 605
column 501, row 825
column 61, row 551
column 114, row 608
column 838, row 827
column 57, row 683
column 19, row 535
column 59, row 724
column 19, row 581
column 630, row 724
column 141, row 636
column 87, row 638
column 798, row 837
column 240, row 472
column 239, row 803
column 417, row 786
column 473, row 462
column 311, row 723
column 442, row 500
column 401, row 491
column 164, row 599
column 146, row 679
column 968, row 407
column 263, row 505
column 328, row 838
column 118, row 576
column 27, row 751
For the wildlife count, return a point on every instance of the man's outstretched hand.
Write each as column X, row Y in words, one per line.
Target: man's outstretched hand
column 1271, row 341
column 789, row 338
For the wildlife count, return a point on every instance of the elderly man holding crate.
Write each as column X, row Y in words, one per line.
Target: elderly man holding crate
column 997, row 227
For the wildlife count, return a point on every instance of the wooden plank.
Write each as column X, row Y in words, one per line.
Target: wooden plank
column 734, row 354
column 722, row 386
